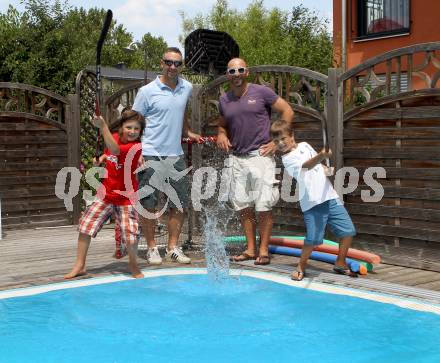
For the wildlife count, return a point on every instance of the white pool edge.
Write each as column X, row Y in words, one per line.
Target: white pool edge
column 269, row 276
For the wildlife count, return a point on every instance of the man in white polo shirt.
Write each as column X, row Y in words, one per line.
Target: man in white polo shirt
column 163, row 103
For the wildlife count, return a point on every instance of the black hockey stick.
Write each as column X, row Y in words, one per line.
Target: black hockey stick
column 324, row 133
column 104, row 31
column 325, row 142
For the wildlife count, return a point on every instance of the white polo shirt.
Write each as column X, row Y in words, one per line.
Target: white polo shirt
column 314, row 186
column 164, row 110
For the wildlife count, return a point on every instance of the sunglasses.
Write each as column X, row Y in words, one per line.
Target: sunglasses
column 233, row 71
column 170, row 62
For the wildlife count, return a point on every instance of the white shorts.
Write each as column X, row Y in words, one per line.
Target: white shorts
column 254, row 183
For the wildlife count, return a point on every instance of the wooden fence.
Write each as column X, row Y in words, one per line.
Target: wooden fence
column 396, row 128
column 35, row 143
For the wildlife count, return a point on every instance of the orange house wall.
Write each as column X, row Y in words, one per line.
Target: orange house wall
column 424, row 27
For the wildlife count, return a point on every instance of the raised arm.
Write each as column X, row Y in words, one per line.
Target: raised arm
column 318, row 158
column 110, row 142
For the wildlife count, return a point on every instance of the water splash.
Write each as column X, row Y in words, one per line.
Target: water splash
column 217, row 260
column 217, row 216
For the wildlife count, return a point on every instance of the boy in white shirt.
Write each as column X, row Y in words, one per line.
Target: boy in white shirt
column 319, row 201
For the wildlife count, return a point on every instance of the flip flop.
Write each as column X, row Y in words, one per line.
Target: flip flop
column 243, row 257
column 344, row 271
column 297, row 275
column 262, row 260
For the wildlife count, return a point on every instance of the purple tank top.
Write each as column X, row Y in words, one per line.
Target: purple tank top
column 248, row 118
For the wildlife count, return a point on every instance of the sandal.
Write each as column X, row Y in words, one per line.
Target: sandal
column 262, row 260
column 344, row 271
column 297, row 275
column 243, row 257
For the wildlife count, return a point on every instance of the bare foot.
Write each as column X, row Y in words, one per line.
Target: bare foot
column 137, row 275
column 76, row 271
column 135, row 272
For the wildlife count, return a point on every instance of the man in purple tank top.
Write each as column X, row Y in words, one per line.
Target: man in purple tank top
column 244, row 129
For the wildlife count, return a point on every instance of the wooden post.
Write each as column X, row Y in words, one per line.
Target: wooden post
column 195, row 126
column 195, row 122
column 335, row 114
column 74, row 146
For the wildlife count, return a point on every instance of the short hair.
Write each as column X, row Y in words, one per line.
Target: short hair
column 172, row 50
column 280, row 127
column 128, row 114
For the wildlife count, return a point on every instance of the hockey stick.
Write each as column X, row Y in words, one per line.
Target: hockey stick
column 104, row 31
column 330, row 169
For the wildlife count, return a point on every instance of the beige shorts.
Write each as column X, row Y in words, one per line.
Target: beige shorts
column 253, row 183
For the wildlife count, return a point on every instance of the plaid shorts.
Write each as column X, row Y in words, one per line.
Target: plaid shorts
column 99, row 211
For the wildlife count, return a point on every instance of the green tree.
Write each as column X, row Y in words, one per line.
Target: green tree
column 297, row 37
column 50, row 42
column 154, row 47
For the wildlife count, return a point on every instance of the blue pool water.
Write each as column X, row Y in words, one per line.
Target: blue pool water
column 190, row 318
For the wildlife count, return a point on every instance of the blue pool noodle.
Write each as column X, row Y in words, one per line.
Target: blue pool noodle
column 318, row 256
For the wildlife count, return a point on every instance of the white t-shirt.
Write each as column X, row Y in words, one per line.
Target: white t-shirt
column 314, row 186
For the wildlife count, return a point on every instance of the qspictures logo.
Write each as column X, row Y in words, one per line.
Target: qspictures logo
column 205, row 182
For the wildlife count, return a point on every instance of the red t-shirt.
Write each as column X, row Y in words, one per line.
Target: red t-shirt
column 116, row 169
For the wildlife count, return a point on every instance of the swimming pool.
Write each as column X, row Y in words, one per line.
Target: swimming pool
column 180, row 315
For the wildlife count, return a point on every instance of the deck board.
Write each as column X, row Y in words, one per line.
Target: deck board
column 42, row 256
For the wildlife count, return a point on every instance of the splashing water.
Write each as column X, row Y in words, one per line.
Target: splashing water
column 217, row 260
column 217, row 218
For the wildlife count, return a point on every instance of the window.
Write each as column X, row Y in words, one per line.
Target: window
column 382, row 17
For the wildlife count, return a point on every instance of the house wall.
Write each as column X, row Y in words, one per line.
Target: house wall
column 423, row 28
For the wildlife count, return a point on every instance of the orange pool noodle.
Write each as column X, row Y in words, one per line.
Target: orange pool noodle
column 352, row 252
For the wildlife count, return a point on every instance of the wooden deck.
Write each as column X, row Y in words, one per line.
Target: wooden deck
column 42, row 256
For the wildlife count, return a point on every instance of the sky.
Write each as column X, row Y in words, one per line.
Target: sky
column 162, row 17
